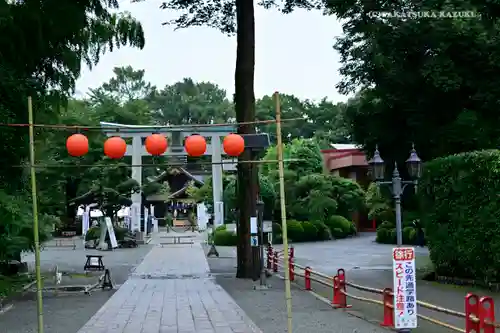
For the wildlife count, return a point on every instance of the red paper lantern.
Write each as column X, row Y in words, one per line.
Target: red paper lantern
column 156, row 144
column 195, row 145
column 233, row 144
column 115, row 147
column 77, row 145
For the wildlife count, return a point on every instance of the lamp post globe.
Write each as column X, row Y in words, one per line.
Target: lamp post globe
column 377, row 166
column 414, row 164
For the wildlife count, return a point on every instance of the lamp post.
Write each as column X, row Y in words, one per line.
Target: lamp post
column 414, row 164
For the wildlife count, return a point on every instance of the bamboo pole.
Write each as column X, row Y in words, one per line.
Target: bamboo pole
column 36, row 236
column 279, row 147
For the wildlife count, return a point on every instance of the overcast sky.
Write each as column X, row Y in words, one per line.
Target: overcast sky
column 294, row 54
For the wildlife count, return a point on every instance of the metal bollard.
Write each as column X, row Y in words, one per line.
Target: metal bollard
column 291, row 268
column 486, row 314
column 388, row 299
column 275, row 261
column 307, row 278
column 471, row 310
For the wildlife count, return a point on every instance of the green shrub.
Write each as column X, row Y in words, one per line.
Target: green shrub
column 386, row 236
column 459, row 195
column 310, row 232
column 324, row 232
column 352, row 229
column 277, row 228
column 221, row 227
column 409, row 236
column 225, row 238
column 93, row 234
column 339, row 222
column 386, row 225
column 120, row 233
column 295, row 230
column 338, row 233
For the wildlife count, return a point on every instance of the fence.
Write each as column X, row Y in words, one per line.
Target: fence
column 479, row 315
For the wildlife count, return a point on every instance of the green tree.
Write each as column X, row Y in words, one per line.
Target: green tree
column 427, row 81
column 189, row 102
column 42, row 59
column 302, row 156
column 323, row 121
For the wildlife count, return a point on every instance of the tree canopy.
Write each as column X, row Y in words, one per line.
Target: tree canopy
column 431, row 81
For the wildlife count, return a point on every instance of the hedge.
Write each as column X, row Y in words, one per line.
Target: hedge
column 459, row 195
column 223, row 237
column 298, row 231
column 386, row 233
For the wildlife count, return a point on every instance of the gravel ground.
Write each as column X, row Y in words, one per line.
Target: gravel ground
column 268, row 309
column 67, row 314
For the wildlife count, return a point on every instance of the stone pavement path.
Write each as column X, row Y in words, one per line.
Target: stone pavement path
column 171, row 291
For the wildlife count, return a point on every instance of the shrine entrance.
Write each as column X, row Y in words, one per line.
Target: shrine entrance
column 176, row 149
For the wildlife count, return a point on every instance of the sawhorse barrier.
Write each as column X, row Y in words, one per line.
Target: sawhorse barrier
column 478, row 315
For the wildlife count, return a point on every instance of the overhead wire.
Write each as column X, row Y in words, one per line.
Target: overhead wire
column 148, row 127
column 151, row 165
column 152, row 128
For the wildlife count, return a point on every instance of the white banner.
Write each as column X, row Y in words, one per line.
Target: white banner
column 405, row 287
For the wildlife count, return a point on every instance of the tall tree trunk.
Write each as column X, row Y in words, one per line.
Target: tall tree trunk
column 244, row 99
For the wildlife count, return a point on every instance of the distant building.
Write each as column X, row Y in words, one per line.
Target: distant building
column 176, row 202
column 349, row 161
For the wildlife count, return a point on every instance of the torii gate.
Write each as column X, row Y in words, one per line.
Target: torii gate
column 175, row 148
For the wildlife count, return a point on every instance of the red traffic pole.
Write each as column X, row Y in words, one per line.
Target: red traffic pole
column 486, row 314
column 291, row 268
column 269, row 256
column 307, row 277
column 292, row 252
column 275, row 261
column 339, row 290
column 471, row 310
column 388, row 299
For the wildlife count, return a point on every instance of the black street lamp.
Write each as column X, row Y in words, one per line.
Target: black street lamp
column 414, row 164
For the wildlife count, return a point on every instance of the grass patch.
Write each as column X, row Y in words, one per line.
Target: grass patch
column 9, row 285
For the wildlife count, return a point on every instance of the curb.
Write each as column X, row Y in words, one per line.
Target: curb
column 6, row 308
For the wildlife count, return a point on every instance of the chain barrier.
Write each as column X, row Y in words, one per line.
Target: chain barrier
column 479, row 315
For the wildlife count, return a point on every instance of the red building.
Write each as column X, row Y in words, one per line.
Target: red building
column 349, row 161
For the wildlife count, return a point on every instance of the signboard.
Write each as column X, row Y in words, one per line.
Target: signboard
column 254, row 240
column 218, row 213
column 202, row 216
column 405, row 293
column 111, row 231
column 268, row 226
column 253, row 225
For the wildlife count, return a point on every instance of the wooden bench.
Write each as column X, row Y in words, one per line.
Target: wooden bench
column 178, row 240
column 61, row 242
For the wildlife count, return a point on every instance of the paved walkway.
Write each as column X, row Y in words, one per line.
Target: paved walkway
column 171, row 291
